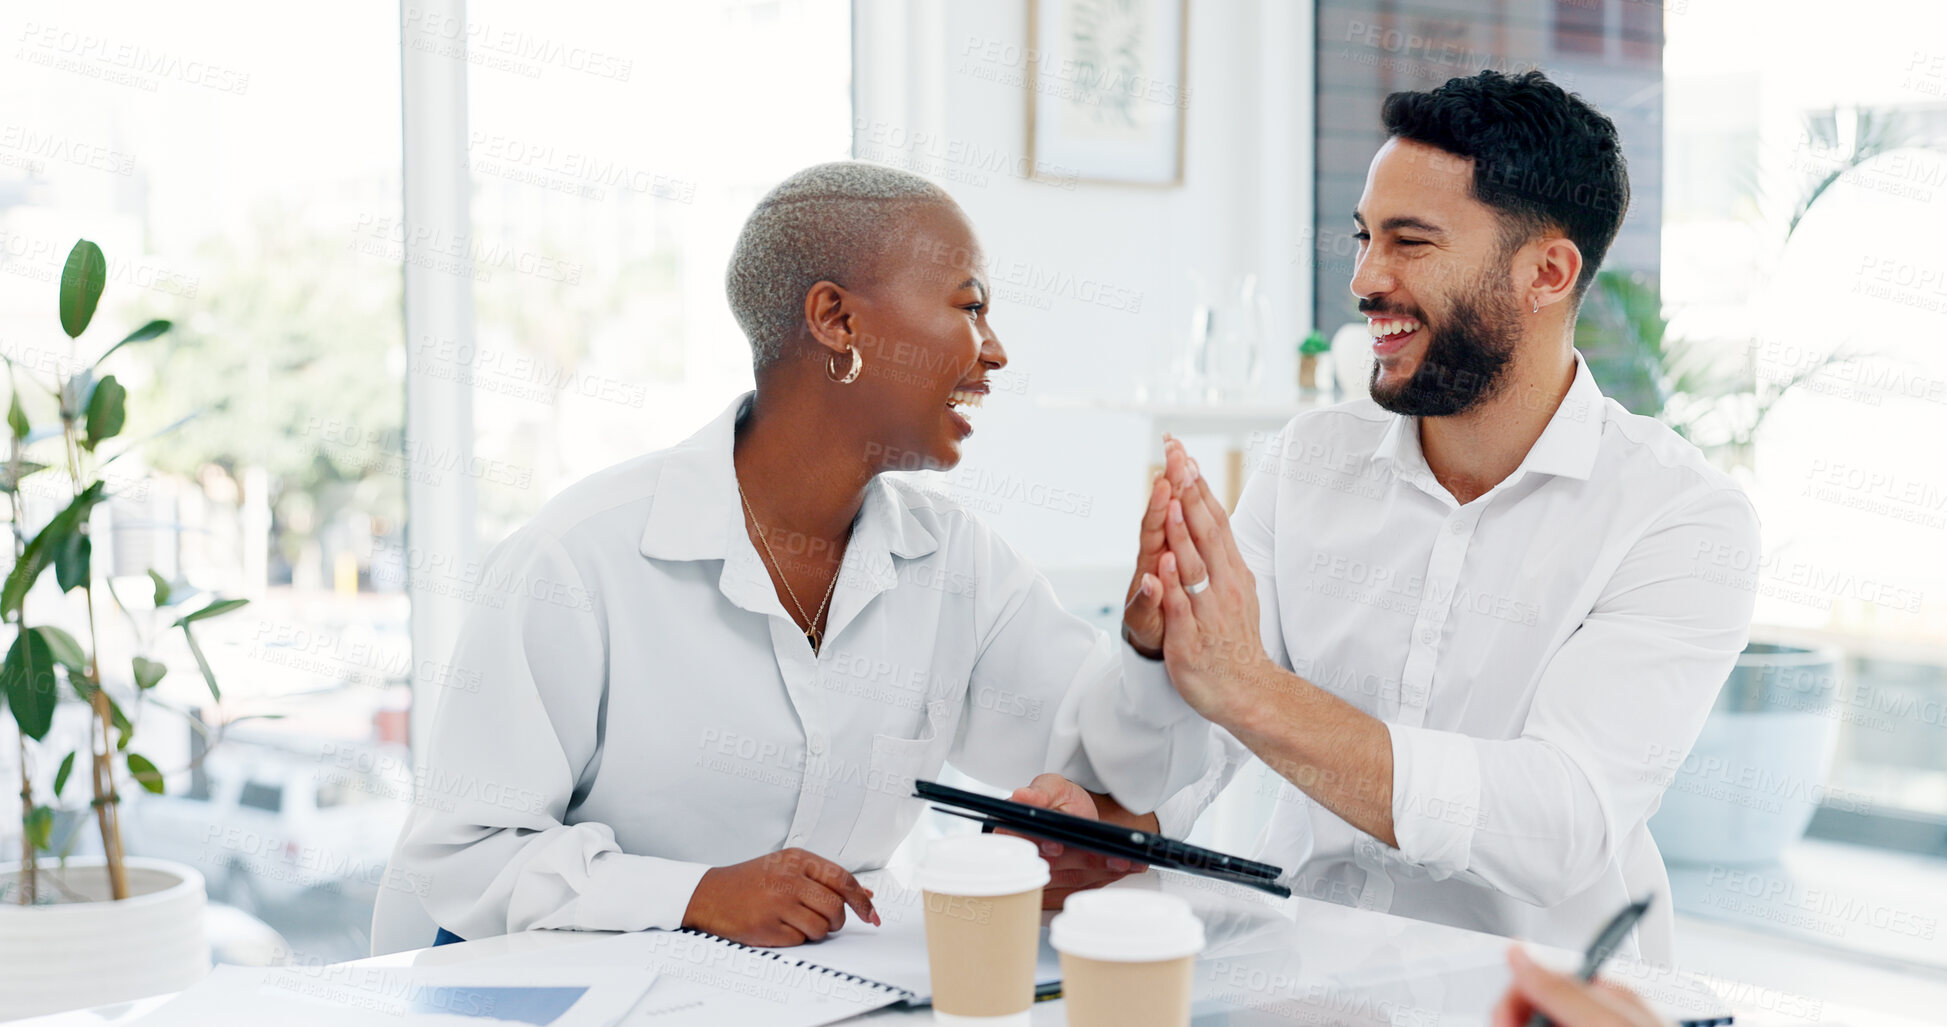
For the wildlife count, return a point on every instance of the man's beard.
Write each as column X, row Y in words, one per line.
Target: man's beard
column 1466, row 359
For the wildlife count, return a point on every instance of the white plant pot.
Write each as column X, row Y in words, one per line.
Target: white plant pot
column 78, row 949
column 1750, row 785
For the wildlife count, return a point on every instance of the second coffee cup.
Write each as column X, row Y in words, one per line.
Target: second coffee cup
column 1128, row 958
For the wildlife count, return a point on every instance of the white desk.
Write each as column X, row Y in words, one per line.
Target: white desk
column 1268, row 962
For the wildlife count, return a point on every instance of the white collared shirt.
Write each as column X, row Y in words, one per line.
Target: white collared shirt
column 1543, row 657
column 645, row 709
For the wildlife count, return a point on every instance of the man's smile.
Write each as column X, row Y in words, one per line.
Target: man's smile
column 1391, row 334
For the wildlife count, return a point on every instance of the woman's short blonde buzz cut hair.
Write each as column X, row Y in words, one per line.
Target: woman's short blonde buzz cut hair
column 829, row 222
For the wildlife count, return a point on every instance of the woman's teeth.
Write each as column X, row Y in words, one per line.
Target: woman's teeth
column 965, row 398
column 1380, row 327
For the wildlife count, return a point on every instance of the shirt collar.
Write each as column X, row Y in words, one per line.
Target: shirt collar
column 1400, row 446
column 1567, row 447
column 696, row 512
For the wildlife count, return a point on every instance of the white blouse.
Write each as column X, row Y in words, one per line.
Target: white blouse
column 1543, row 657
column 646, row 709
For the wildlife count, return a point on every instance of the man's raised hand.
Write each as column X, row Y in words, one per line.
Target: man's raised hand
column 1212, row 644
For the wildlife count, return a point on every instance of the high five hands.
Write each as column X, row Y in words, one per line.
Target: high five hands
column 1192, row 601
column 1192, row 604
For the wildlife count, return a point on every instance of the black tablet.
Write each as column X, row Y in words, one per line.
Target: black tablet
column 1107, row 839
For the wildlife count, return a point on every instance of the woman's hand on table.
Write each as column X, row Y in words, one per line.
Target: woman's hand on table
column 784, row 898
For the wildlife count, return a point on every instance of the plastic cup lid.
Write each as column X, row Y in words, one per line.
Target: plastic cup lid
column 982, row 864
column 1124, row 925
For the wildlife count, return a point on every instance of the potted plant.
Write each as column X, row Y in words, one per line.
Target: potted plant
column 1314, row 346
column 85, row 931
column 1750, row 785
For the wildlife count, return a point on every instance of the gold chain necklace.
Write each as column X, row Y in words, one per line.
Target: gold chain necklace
column 811, row 633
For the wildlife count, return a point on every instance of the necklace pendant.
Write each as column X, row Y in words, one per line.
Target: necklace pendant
column 811, row 635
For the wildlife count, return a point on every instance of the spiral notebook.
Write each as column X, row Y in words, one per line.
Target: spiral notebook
column 706, row 981
column 893, row 956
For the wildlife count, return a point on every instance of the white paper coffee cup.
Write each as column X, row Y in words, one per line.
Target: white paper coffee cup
column 1128, row 957
column 982, row 895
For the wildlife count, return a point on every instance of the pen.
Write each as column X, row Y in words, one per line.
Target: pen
column 1604, row 946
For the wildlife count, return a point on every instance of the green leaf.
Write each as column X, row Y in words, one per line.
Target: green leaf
column 21, row 577
column 61, row 775
column 45, row 547
column 215, row 609
column 124, row 730
column 81, row 282
column 148, row 672
column 71, row 559
column 12, row 472
column 202, row 662
column 39, row 826
column 142, row 334
column 67, row 652
column 17, row 418
column 162, row 589
column 107, row 412
column 29, row 679
column 145, row 773
column 75, row 393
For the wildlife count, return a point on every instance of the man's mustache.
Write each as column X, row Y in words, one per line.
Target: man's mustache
column 1369, row 308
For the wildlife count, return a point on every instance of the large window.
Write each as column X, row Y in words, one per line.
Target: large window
column 613, row 174
column 1800, row 243
column 226, row 172
column 250, row 185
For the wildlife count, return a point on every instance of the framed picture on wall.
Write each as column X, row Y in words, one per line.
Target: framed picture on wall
column 1108, row 90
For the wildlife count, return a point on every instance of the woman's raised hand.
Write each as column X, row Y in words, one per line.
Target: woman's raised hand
column 1142, row 613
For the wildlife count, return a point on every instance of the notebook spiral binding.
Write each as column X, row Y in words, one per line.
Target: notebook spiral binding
column 804, row 964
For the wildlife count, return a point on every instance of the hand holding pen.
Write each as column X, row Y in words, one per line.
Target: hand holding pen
column 1537, row 996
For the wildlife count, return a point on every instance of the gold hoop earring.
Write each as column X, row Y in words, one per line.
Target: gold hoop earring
column 851, row 375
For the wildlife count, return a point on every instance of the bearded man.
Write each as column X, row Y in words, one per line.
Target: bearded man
column 1476, row 622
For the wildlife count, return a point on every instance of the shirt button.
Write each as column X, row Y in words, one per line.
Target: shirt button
column 797, row 839
column 1457, row 527
column 1429, row 636
column 817, row 746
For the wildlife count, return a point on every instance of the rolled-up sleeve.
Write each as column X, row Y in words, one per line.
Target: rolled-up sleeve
column 1084, row 705
column 1541, row 816
column 489, row 836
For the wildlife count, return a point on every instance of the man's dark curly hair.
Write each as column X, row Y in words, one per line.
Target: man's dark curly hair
column 1543, row 157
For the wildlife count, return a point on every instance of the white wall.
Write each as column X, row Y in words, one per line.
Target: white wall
column 932, row 96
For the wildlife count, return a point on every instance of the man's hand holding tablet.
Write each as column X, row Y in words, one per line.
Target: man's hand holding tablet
column 1071, row 869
